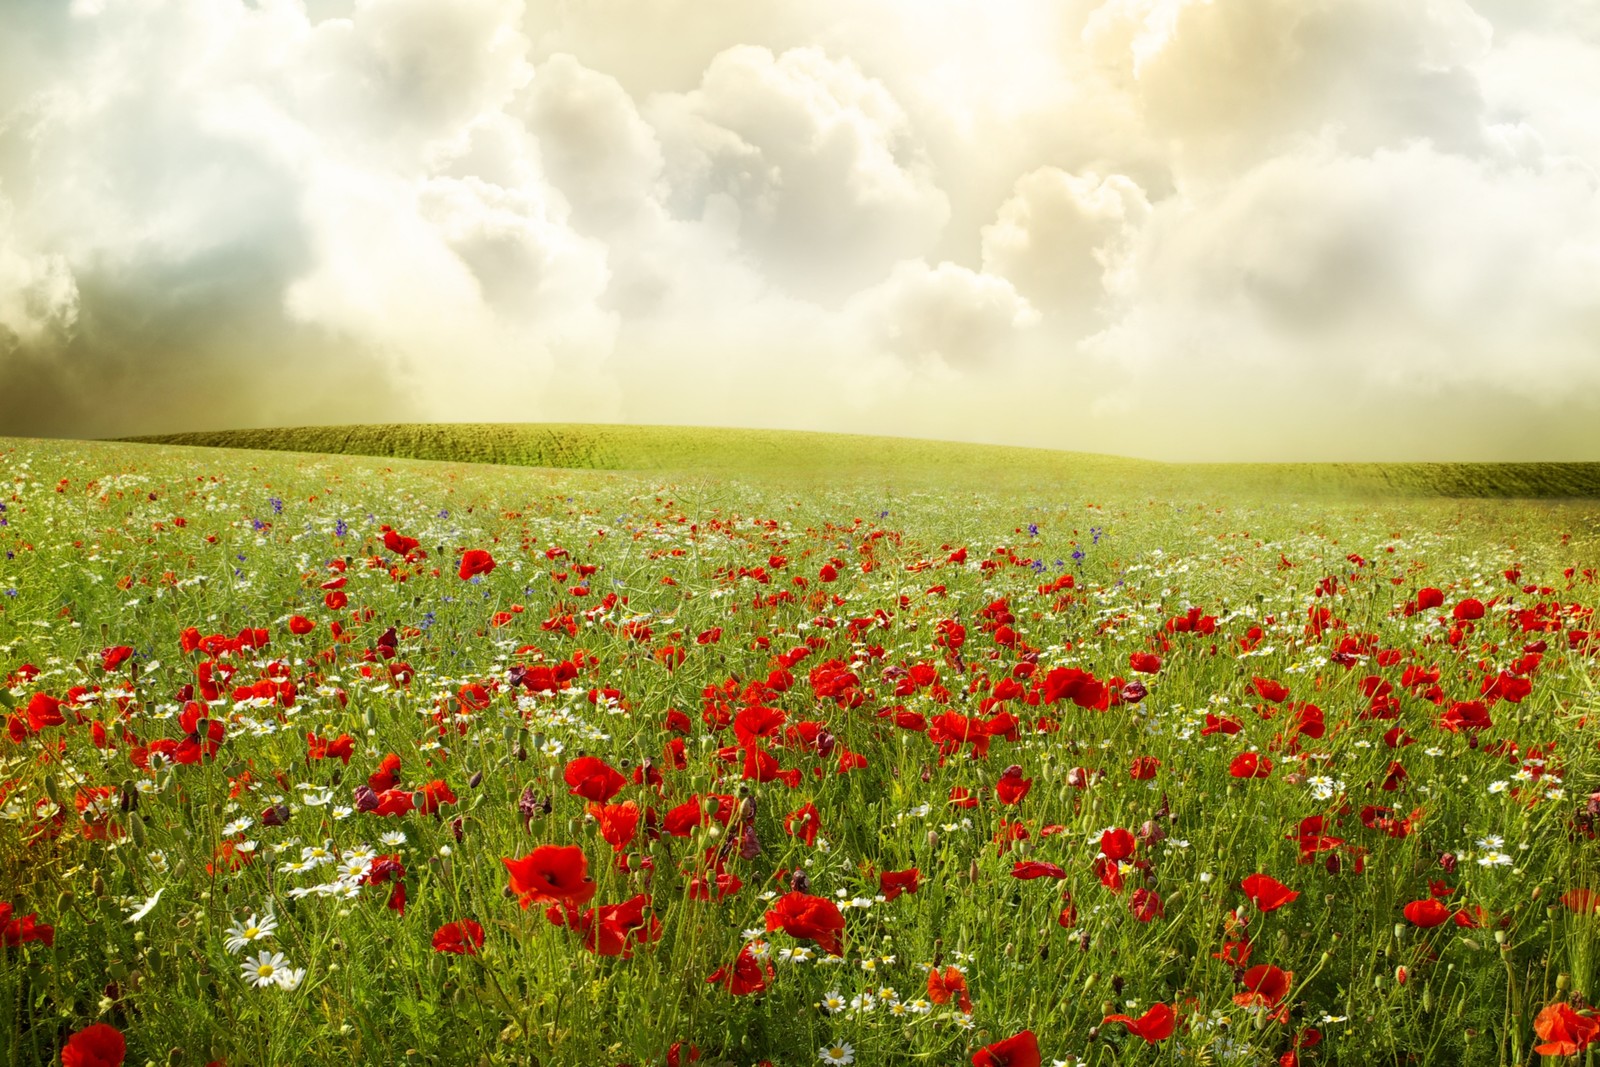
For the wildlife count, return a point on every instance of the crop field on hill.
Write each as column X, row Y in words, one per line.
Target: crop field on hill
column 743, row 452
column 316, row 759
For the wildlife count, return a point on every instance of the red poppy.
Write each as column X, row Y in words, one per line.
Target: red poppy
column 96, row 1045
column 1012, row 786
column 1154, row 1025
column 299, row 624
column 1270, row 689
column 551, row 874
column 1565, row 1032
column 475, row 561
column 112, row 658
column 892, row 883
column 1019, row 1051
column 1117, row 844
column 744, row 976
column 1144, row 662
column 1267, row 893
column 1426, row 913
column 619, row 823
column 803, row 915
column 1468, row 610
column 943, row 985
column 1146, row 905
column 1265, row 986
column 805, row 824
column 1250, row 765
column 593, row 779
column 612, row 929
column 1144, row 768
column 462, row 938
column 1028, row 869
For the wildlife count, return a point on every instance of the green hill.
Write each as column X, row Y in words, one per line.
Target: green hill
column 779, row 452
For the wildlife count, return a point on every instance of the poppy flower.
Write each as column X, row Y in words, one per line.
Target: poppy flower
column 1426, row 913
column 593, row 779
column 1029, row 869
column 1265, row 986
column 462, row 938
column 300, row 625
column 802, row 915
column 1267, row 893
column 475, row 561
column 551, row 874
column 1146, row 905
column 1270, row 689
column 1144, row 662
column 744, row 976
column 613, row 929
column 1468, row 610
column 892, row 883
column 619, row 823
column 1019, row 1051
column 1250, row 765
column 1143, row 768
column 112, row 658
column 1154, row 1025
column 1117, row 844
column 947, row 984
column 96, row 1045
column 1012, row 786
column 1565, row 1032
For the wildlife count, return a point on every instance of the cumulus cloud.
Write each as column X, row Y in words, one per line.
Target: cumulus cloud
column 1190, row 220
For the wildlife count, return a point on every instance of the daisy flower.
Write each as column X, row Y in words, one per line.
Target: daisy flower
column 241, row 934
column 838, row 1052
column 266, row 969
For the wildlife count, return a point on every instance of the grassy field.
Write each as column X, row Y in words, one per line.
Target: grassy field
column 678, row 449
column 324, row 759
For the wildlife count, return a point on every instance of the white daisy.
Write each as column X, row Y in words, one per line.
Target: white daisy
column 266, row 969
column 838, row 1052
column 146, row 907
column 241, row 934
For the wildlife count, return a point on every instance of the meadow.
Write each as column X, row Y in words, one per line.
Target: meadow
column 946, row 756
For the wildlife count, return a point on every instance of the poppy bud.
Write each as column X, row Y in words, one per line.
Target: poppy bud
column 476, row 780
column 933, row 839
column 1400, row 975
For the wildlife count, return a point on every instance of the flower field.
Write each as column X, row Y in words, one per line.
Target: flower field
column 318, row 759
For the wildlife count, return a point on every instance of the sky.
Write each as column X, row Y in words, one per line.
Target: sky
column 1174, row 229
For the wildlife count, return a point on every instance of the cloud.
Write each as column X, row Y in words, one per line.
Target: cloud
column 1059, row 234
column 1190, row 222
column 947, row 315
column 817, row 161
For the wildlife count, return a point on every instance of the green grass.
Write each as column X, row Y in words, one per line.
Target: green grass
column 92, row 556
column 733, row 451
